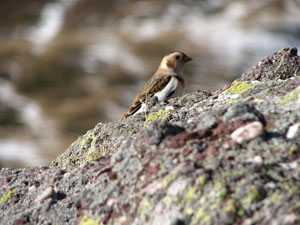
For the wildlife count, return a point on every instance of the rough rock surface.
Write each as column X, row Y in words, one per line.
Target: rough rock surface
column 225, row 157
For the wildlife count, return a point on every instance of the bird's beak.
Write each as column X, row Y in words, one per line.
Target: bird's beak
column 187, row 58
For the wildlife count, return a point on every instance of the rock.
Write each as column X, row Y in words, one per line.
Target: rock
column 185, row 165
column 283, row 64
column 293, row 131
column 248, row 132
column 46, row 194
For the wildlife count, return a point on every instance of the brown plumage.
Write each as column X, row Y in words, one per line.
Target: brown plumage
column 167, row 82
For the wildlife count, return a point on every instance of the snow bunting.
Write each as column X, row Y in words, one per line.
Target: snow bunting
column 167, row 82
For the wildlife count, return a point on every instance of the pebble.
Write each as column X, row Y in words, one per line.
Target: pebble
column 153, row 187
column 257, row 160
column 171, row 108
column 293, row 131
column 247, row 132
column 32, row 188
column 46, row 194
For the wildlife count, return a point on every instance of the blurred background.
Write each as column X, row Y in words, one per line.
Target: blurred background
column 66, row 65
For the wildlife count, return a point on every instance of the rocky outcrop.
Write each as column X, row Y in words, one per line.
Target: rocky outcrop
column 224, row 157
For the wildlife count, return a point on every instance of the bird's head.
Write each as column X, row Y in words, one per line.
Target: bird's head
column 174, row 61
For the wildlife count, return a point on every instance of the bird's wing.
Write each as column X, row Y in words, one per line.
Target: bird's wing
column 156, row 84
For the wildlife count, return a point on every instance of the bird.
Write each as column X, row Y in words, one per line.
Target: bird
column 167, row 82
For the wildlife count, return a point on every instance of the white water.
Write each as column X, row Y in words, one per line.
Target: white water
column 50, row 24
column 39, row 132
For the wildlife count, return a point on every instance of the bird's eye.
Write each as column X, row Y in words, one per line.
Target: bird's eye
column 177, row 57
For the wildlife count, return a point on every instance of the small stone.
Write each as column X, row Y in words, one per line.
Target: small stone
column 226, row 146
column 122, row 219
column 212, row 150
column 289, row 166
column 289, row 218
column 171, row 108
column 66, row 175
column 293, row 131
column 19, row 222
column 152, row 187
column 113, row 175
column 111, row 202
column 190, row 121
column 32, row 188
column 186, row 152
column 247, row 132
column 46, row 194
column 257, row 160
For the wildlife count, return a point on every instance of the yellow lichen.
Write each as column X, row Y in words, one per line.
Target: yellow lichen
column 89, row 137
column 233, row 206
column 88, row 221
column 239, row 88
column 167, row 199
column 201, row 216
column 189, row 211
column 241, row 212
column 88, row 146
column 161, row 115
column 293, row 149
column 233, row 173
column 8, row 195
column 169, row 179
column 144, row 208
column 232, row 101
column 221, row 191
column 202, row 181
column 275, row 197
column 290, row 187
column 296, row 206
column 57, row 162
column 289, row 97
column 254, row 195
column 91, row 156
column 230, row 206
column 190, row 194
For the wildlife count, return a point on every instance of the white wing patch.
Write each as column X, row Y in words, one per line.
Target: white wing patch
column 142, row 109
column 171, row 87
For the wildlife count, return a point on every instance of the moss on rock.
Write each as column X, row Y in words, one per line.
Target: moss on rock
column 161, row 115
column 88, row 221
column 239, row 88
column 8, row 195
column 289, row 97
